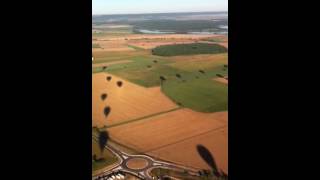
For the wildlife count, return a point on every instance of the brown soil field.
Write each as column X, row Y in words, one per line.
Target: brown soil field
column 119, row 45
column 225, row 44
column 127, row 102
column 112, row 56
column 195, row 62
column 148, row 41
column 137, row 163
column 200, row 57
column 155, row 135
column 222, row 80
column 110, row 63
column 119, row 49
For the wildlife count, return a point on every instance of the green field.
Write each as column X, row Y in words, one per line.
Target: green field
column 161, row 172
column 189, row 71
column 188, row 49
column 135, row 47
column 201, row 94
column 191, row 89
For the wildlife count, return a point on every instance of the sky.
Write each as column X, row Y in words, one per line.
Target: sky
column 156, row 6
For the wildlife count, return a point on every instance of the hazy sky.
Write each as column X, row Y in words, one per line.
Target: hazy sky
column 156, row 6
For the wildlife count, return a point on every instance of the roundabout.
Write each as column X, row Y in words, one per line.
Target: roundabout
column 137, row 163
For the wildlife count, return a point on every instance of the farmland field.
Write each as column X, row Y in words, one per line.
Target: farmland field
column 123, row 101
column 198, row 94
column 174, row 135
column 161, row 88
column 188, row 49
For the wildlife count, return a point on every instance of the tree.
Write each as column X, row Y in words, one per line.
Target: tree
column 162, row 78
column 201, row 71
column 219, row 75
column 94, row 157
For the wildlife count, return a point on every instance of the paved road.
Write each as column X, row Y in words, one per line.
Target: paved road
column 143, row 173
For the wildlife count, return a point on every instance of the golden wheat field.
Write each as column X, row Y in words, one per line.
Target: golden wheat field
column 127, row 102
column 174, row 136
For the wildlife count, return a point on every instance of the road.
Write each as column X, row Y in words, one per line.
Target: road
column 143, row 173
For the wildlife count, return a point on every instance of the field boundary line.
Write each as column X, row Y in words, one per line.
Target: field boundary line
column 136, row 47
column 186, row 139
column 142, row 118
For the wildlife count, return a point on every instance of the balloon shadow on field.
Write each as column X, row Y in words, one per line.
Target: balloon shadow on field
column 206, row 155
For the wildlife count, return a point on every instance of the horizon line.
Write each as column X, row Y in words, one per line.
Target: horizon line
column 160, row 13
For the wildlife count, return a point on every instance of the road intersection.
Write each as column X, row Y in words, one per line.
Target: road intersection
column 143, row 172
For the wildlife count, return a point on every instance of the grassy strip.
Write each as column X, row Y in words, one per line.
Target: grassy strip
column 96, row 45
column 142, row 118
column 162, row 172
column 136, row 47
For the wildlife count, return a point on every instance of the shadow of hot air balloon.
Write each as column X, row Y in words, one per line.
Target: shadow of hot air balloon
column 208, row 158
column 119, row 83
column 106, row 111
column 104, row 96
column 102, row 140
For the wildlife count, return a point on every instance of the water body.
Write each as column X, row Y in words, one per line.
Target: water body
column 224, row 27
column 202, row 32
column 145, row 31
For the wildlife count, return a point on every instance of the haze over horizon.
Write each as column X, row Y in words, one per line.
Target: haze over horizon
column 110, row 7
